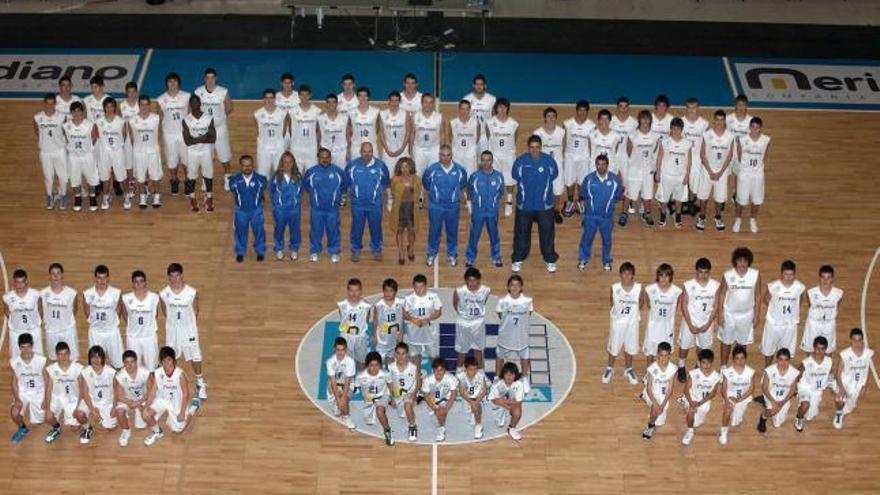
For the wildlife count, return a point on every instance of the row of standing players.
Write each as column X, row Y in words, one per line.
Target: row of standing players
column 385, row 365
column 732, row 307
column 116, row 383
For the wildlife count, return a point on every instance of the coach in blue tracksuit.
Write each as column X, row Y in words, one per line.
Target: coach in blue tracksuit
column 247, row 190
column 325, row 184
column 538, row 190
column 366, row 179
column 600, row 191
column 485, row 188
column 286, row 192
column 444, row 181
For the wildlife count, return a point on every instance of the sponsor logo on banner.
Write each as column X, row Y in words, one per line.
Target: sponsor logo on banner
column 39, row 73
column 816, row 84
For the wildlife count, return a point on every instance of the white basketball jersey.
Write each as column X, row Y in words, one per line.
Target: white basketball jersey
column 661, row 127
column 394, row 129
column 145, row 132
column 779, row 384
column 427, row 130
column 752, row 153
column 854, row 372
column 373, row 386
column 403, row 380
column 472, row 305
column 94, row 106
column 134, row 387
column 422, row 307
column 79, row 137
column 141, row 314
column 577, row 143
column 340, row 369
column 65, row 383
column 50, row 134
column 390, row 317
column 718, row 147
column 58, row 309
column 110, row 133
column 179, row 308
column 701, row 300
column 604, row 145
column 740, row 297
column 643, row 158
column 363, row 127
column 823, row 308
column 738, row 383
column 304, row 127
column 675, row 156
column 817, row 375
column 693, row 132
column 100, row 383
column 472, row 387
column 213, row 103
column 128, row 110
column 440, row 390
column 738, row 127
column 198, row 127
column 481, row 107
column 624, row 128
column 270, row 127
column 502, row 137
column 513, row 331
column 464, row 139
column 411, row 105
column 24, row 312
column 287, row 103
column 663, row 305
column 785, row 303
column 29, row 375
column 62, row 106
column 353, row 318
column 702, row 384
column 347, row 106
column 169, row 388
column 174, row 110
column 501, row 390
column 625, row 306
column 660, row 380
column 102, row 309
column 333, row 134
column 551, row 142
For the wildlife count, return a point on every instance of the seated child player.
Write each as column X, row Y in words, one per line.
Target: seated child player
column 373, row 382
column 62, row 390
column 474, row 386
column 169, row 394
column 440, row 389
column 340, row 375
column 658, row 388
column 131, row 387
column 407, row 381
column 701, row 387
column 387, row 318
column 507, row 395
column 852, row 375
column 816, row 376
column 96, row 404
column 737, row 389
column 778, row 389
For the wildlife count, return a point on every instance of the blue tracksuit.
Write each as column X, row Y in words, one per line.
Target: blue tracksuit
column 534, row 181
column 485, row 190
column 286, row 210
column 444, row 205
column 366, row 184
column 248, row 198
column 325, row 185
column 600, row 196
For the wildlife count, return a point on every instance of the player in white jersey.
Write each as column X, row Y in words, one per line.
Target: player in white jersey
column 52, row 154
column 783, row 298
column 824, row 300
column 112, row 139
column 852, row 375
column 674, row 158
column 741, row 301
column 501, row 135
column 130, row 388
column 374, row 384
column 81, row 135
column 28, row 387
column 664, row 299
column 411, row 98
column 139, row 308
column 440, row 388
column 473, row 387
column 341, row 370
column 717, row 154
column 816, row 375
column 103, row 306
column 552, row 136
column 699, row 309
column 778, row 388
column 173, row 108
column 395, row 132
column 515, row 312
column 354, row 319
column 736, row 389
column 218, row 105
column 406, row 384
column 94, row 107
column 169, row 393
column 482, row 106
column 347, row 99
column 695, row 126
column 272, row 125
column 623, row 124
column 181, row 312
column 287, row 97
column 62, row 379
column 96, row 395
column 363, row 125
column 21, row 306
column 128, row 108
column 465, row 131
column 334, row 130
column 700, row 388
column 144, row 132
column 469, row 301
column 59, row 313
column 421, row 309
column 65, row 97
column 199, row 135
column 305, row 133
column 751, row 150
column 387, row 321
column 603, row 142
column 428, row 134
column 627, row 301
column 642, row 145
column 738, row 122
column 507, row 394
column 661, row 119
column 659, row 383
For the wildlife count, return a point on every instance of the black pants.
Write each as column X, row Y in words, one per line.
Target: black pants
column 522, row 234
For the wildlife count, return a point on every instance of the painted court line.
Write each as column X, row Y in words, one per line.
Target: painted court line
column 729, row 73
column 434, row 448
column 147, row 57
column 864, row 315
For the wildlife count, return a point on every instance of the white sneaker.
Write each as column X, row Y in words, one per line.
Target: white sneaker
column 413, row 435
column 441, row 434
column 452, row 260
column 123, row 438
column 838, row 420
column 203, row 390
column 313, row 258
column 607, row 374
column 126, row 201
column 631, row 210
column 371, row 419
column 551, row 267
column 516, row 266
column 139, row 422
column 153, row 437
column 105, row 202
column 346, row 420
column 294, row 256
column 429, row 261
column 157, row 200
column 737, row 223
column 334, row 258
column 508, row 209
column 279, row 255
column 753, row 225
column 688, row 437
column 478, row 431
column 631, row 376
column 514, row 434
column 722, row 437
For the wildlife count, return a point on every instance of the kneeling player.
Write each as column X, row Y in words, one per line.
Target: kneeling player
column 507, row 395
column 701, row 387
column 473, row 386
column 658, row 388
column 169, row 394
column 852, row 375
column 96, row 404
column 737, row 389
column 340, row 373
column 62, row 391
column 816, row 376
column 627, row 301
column 373, row 382
column 440, row 389
column 778, row 389
column 407, row 381
column 131, row 389
column 28, row 387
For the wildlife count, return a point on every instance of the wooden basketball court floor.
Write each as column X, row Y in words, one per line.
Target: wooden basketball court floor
column 259, row 433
